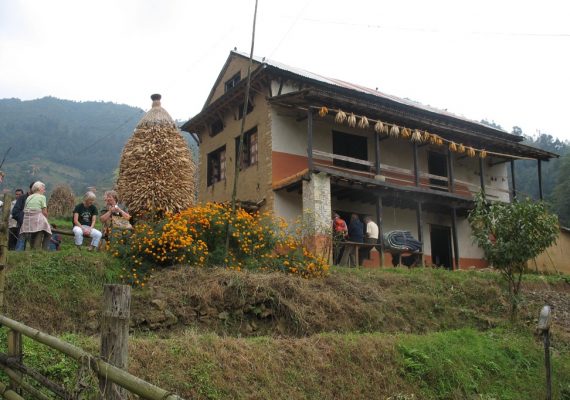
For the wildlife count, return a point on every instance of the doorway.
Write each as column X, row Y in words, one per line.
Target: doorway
column 437, row 165
column 440, row 237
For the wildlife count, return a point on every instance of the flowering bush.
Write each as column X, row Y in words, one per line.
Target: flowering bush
column 197, row 236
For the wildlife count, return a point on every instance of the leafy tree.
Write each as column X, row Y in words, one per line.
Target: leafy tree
column 511, row 234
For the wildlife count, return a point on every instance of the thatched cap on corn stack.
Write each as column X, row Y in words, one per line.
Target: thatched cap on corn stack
column 156, row 172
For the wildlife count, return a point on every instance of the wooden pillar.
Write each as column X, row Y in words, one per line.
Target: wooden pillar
column 380, row 228
column 454, row 235
column 540, row 194
column 420, row 221
column 513, row 181
column 377, row 153
column 482, row 174
column 450, row 171
column 15, row 351
column 4, row 245
column 416, row 166
column 310, row 139
column 115, row 335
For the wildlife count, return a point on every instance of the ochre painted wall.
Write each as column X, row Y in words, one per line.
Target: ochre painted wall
column 556, row 258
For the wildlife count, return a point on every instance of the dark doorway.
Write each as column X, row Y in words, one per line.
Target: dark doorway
column 437, row 165
column 354, row 146
column 440, row 237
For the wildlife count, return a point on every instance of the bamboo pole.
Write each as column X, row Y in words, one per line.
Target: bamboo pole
column 122, row 378
column 15, row 351
column 4, row 246
column 13, row 375
column 9, row 394
column 56, row 388
column 115, row 335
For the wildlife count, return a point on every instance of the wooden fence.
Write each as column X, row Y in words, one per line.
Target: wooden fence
column 114, row 382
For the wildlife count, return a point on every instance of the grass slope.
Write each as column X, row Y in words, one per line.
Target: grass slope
column 357, row 334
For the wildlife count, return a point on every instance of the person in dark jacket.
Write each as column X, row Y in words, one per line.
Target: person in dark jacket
column 356, row 235
column 18, row 215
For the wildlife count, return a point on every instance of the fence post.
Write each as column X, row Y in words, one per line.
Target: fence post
column 4, row 245
column 15, row 350
column 115, row 335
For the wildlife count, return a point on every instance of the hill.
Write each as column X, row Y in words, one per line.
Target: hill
column 356, row 334
column 61, row 141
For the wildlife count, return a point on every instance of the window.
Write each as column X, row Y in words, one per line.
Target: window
column 249, row 149
column 232, row 82
column 437, row 165
column 240, row 109
column 217, row 165
column 216, row 127
column 353, row 146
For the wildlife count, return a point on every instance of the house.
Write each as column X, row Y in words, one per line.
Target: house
column 409, row 166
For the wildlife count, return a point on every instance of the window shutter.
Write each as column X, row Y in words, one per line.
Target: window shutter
column 222, row 165
column 253, row 148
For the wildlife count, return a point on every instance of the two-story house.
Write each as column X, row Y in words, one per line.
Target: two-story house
column 318, row 145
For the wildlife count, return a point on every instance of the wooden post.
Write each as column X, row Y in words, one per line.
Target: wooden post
column 379, row 219
column 540, row 194
column 416, row 164
column 450, row 181
column 4, row 233
column 115, row 335
column 420, row 221
column 514, row 186
column 310, row 139
column 482, row 174
column 15, row 349
column 454, row 238
column 377, row 154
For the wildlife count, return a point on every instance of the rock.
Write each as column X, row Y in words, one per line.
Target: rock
column 159, row 304
column 170, row 318
column 224, row 315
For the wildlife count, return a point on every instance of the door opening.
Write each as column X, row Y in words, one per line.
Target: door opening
column 440, row 237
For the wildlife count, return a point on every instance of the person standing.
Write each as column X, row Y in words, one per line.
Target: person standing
column 355, row 235
column 340, row 233
column 371, row 230
column 18, row 215
column 13, row 223
column 35, row 220
column 84, row 219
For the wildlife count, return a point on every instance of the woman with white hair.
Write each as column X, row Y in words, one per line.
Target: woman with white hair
column 35, row 216
column 84, row 218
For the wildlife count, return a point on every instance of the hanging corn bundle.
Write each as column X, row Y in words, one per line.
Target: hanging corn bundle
column 461, row 148
column 323, row 111
column 394, row 131
column 61, row 202
column 483, row 154
column 438, row 140
column 406, row 133
column 386, row 130
column 453, row 147
column 471, row 152
column 363, row 123
column 379, row 127
column 417, row 136
column 426, row 137
column 340, row 117
column 351, row 120
column 156, row 172
column 433, row 138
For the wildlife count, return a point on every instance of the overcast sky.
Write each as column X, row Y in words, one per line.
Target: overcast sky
column 503, row 60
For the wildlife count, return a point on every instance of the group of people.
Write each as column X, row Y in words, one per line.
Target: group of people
column 355, row 232
column 29, row 218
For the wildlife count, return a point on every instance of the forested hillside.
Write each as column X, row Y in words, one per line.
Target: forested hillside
column 61, row 141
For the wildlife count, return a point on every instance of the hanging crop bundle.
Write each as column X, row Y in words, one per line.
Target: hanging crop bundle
column 156, row 171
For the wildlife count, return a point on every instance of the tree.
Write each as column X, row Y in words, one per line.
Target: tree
column 510, row 234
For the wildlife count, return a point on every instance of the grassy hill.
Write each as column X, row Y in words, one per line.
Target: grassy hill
column 356, row 334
